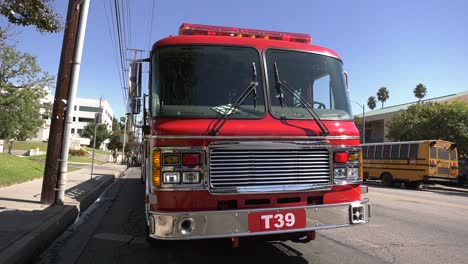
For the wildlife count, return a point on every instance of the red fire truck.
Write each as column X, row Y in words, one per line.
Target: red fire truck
column 247, row 133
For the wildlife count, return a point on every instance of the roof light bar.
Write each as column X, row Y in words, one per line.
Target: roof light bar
column 197, row 29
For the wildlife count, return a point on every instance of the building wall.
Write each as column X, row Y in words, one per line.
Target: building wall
column 376, row 129
column 47, row 102
column 83, row 114
column 85, row 111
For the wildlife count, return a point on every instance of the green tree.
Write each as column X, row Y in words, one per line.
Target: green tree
column 22, row 84
column 371, row 102
column 101, row 133
column 420, row 91
column 115, row 141
column 383, row 95
column 432, row 121
column 116, row 138
column 36, row 13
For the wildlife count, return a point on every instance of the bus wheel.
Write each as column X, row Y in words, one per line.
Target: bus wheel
column 387, row 179
column 412, row 184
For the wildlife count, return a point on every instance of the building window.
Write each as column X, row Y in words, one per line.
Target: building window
column 80, row 131
column 89, row 109
column 87, row 120
column 73, row 131
column 74, row 119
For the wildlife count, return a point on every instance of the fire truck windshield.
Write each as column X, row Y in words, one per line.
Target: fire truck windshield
column 316, row 78
column 204, row 82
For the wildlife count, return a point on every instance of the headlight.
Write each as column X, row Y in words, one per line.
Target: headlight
column 171, row 177
column 353, row 174
column 191, row 177
column 340, row 173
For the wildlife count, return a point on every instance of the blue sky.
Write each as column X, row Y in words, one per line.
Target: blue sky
column 396, row 44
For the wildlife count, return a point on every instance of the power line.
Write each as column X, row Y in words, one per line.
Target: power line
column 111, row 30
column 151, row 23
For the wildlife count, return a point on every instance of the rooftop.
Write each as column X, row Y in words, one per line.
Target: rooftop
column 396, row 108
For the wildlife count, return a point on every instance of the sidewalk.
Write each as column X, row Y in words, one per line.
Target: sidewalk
column 27, row 226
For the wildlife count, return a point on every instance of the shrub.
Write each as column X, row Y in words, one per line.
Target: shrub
column 78, row 152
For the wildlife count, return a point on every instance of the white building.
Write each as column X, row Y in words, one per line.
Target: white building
column 84, row 113
column 47, row 103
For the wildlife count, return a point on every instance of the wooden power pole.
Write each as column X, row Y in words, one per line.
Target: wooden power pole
column 54, row 147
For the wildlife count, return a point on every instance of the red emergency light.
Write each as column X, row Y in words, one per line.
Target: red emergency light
column 197, row 29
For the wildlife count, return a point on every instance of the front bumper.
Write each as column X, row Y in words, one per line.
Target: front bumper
column 234, row 223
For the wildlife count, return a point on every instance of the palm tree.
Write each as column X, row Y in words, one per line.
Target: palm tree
column 420, row 91
column 371, row 102
column 383, row 95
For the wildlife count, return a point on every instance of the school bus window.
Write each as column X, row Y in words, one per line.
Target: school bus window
column 395, row 151
column 364, row 152
column 453, row 154
column 371, row 152
column 413, row 151
column 386, row 151
column 433, row 152
column 404, row 151
column 443, row 154
column 378, row 152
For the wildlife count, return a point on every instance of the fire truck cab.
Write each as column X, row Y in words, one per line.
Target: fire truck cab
column 247, row 133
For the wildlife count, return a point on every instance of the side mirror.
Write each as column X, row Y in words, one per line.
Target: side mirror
column 135, row 106
column 134, row 85
column 346, row 77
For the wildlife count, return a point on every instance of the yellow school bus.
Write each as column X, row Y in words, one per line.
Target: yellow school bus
column 411, row 162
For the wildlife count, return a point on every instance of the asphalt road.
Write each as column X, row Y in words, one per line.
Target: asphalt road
column 407, row 226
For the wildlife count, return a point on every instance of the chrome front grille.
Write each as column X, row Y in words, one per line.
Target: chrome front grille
column 259, row 165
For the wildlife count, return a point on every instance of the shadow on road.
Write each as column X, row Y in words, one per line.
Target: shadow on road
column 120, row 238
column 210, row 251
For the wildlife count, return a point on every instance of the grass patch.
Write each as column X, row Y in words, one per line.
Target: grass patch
column 16, row 169
column 26, row 145
column 84, row 160
column 41, row 158
column 98, row 151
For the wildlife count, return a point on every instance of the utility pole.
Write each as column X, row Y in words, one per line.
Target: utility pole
column 96, row 117
column 63, row 172
column 363, row 122
column 54, row 147
column 124, row 138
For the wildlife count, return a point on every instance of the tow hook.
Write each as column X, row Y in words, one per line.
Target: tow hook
column 235, row 242
column 309, row 236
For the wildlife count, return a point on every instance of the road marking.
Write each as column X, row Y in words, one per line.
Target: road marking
column 424, row 201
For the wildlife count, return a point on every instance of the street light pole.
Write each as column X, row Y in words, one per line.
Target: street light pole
column 363, row 122
column 96, row 123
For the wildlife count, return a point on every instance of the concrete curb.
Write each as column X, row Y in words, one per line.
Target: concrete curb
column 27, row 247
column 88, row 199
column 62, row 217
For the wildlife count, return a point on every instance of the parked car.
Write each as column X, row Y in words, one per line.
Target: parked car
column 462, row 170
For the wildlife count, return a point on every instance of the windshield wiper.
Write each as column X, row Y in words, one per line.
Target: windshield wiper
column 252, row 88
column 283, row 85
